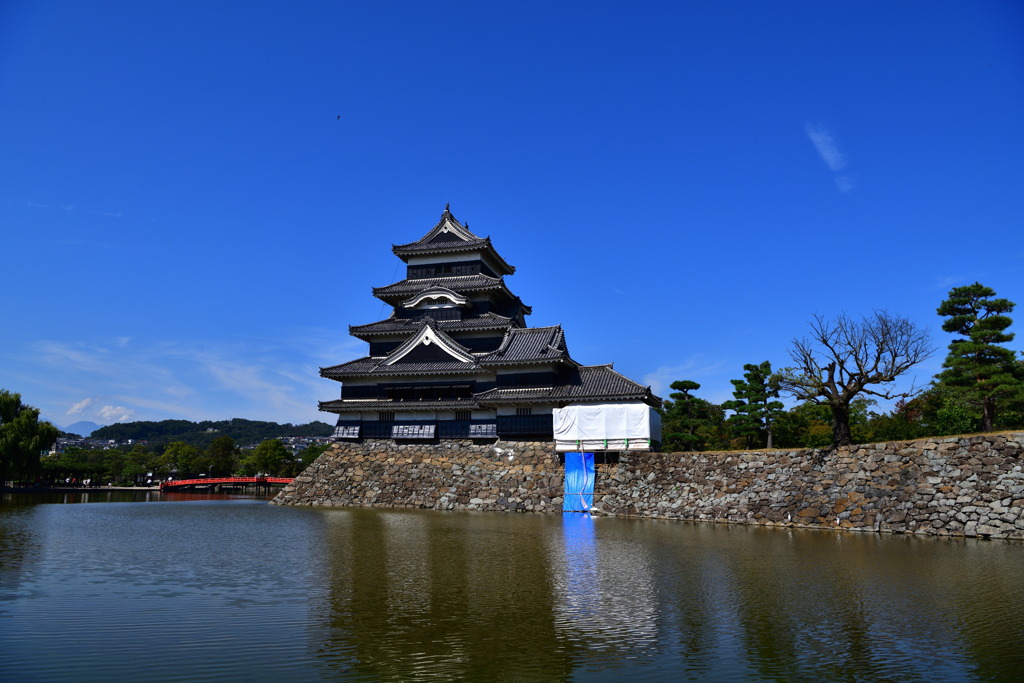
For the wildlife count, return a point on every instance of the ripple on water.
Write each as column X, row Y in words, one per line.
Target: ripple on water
column 242, row 590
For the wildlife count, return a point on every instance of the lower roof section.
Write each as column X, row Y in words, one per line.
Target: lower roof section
column 586, row 384
column 351, row 406
column 589, row 383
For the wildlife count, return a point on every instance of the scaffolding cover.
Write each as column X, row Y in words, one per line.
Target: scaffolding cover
column 613, row 422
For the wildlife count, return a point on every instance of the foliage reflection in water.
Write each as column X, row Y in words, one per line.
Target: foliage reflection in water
column 236, row 589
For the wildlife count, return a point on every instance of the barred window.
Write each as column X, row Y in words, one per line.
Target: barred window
column 386, row 416
column 463, row 414
column 524, row 411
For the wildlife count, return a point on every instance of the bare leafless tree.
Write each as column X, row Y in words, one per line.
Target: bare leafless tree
column 844, row 358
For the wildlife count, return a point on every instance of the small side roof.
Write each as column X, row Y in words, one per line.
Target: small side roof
column 589, row 384
column 529, row 345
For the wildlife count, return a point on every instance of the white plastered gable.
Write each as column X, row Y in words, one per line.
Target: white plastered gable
column 426, row 336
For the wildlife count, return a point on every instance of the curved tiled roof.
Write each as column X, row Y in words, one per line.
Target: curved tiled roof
column 371, row 366
column 397, row 406
column 448, row 237
column 485, row 321
column 462, row 361
column 588, row 384
column 457, row 283
column 529, row 345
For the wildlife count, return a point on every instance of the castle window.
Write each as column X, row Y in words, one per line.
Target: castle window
column 386, row 416
column 463, row 415
column 524, row 411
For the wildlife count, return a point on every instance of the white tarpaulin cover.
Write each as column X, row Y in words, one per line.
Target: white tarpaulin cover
column 607, row 426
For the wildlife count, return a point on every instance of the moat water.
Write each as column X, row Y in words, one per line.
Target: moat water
column 184, row 588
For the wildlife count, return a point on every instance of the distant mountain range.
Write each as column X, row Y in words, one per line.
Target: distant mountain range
column 82, row 428
column 197, row 433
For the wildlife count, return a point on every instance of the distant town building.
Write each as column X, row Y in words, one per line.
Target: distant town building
column 456, row 360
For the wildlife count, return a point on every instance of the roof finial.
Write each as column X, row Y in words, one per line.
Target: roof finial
column 446, row 206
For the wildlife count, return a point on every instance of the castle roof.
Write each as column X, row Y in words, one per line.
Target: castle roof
column 587, row 383
column 341, row 405
column 450, row 237
column 428, row 351
column 529, row 345
column 457, row 283
column 403, row 326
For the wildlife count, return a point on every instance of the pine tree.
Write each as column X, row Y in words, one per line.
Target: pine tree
column 978, row 369
column 754, row 407
column 689, row 422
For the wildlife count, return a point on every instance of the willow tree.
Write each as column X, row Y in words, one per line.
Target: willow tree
column 978, row 368
column 845, row 358
column 22, row 438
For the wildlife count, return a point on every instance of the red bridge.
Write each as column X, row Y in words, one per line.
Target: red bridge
column 219, row 481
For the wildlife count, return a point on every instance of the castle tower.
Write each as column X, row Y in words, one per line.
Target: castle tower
column 456, row 360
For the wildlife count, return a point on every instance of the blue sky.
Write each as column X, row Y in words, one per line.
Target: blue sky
column 188, row 229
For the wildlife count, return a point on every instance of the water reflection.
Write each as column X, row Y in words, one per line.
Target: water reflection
column 464, row 596
column 603, row 594
column 454, row 596
column 97, row 592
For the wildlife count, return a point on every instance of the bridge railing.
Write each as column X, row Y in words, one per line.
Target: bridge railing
column 210, row 481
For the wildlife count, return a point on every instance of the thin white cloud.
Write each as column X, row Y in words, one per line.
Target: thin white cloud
column 135, row 379
column 949, row 282
column 826, row 145
column 72, row 207
column 846, row 183
column 79, row 407
column 116, row 414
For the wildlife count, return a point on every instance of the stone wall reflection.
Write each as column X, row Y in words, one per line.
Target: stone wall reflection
column 475, row 596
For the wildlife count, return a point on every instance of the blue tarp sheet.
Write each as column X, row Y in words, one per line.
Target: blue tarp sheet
column 579, row 482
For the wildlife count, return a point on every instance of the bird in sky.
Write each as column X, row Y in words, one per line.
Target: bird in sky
column 339, row 117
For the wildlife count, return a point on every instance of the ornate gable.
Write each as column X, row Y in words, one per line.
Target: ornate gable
column 417, row 348
column 445, row 294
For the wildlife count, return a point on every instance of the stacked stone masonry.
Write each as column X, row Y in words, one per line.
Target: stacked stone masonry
column 951, row 486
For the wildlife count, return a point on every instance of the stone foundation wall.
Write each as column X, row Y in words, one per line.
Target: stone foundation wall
column 954, row 486
column 447, row 476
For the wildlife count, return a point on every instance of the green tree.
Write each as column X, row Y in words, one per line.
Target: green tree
column 267, row 458
column 844, row 359
column 221, row 458
column 904, row 423
column 690, row 423
column 807, row 425
column 178, row 457
column 304, row 459
column 982, row 372
column 23, row 438
column 754, row 407
column 137, row 463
